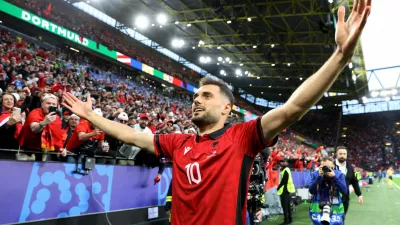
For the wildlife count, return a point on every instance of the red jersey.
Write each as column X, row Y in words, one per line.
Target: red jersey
column 83, row 126
column 30, row 140
column 211, row 172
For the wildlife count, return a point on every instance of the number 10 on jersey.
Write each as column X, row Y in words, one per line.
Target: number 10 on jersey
column 190, row 175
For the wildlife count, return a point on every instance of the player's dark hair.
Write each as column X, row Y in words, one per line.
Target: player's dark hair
column 222, row 86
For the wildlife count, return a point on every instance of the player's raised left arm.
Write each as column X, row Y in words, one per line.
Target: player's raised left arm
column 311, row 91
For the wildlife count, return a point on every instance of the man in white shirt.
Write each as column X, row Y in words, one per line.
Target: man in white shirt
column 142, row 125
column 351, row 179
column 130, row 151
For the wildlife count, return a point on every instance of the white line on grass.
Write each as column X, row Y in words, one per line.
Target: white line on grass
column 398, row 187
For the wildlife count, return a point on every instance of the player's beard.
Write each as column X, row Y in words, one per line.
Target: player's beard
column 342, row 159
column 206, row 119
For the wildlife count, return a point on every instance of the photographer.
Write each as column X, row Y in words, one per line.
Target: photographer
column 327, row 186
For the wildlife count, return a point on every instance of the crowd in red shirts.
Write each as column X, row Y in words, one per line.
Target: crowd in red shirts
column 300, row 157
column 70, row 17
column 29, row 73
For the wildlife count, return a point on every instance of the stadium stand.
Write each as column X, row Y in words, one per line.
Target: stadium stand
column 85, row 25
column 66, row 70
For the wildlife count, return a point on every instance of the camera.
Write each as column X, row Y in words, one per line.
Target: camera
column 256, row 189
column 52, row 109
column 326, row 212
column 326, row 169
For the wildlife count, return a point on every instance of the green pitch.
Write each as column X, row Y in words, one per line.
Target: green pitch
column 381, row 207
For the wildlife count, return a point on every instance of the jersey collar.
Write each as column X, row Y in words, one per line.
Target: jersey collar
column 216, row 134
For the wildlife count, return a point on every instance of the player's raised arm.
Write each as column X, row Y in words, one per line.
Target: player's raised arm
column 120, row 131
column 311, row 91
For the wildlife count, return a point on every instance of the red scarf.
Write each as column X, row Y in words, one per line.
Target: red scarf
column 6, row 114
column 47, row 140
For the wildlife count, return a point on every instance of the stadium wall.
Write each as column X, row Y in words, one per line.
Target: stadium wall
column 34, row 191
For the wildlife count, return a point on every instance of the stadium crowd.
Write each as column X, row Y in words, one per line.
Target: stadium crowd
column 72, row 18
column 367, row 136
column 32, row 71
column 31, row 76
column 29, row 72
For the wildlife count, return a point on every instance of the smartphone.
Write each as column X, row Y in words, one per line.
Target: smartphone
column 16, row 111
column 52, row 109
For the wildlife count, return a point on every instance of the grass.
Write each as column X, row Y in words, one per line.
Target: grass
column 397, row 181
column 381, row 207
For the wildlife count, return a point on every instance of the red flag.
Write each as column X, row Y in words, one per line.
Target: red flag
column 48, row 9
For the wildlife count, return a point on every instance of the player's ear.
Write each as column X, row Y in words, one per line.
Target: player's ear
column 227, row 109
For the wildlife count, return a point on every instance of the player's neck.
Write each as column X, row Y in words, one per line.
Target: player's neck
column 208, row 129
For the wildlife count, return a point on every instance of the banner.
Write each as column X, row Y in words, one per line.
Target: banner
column 34, row 191
column 54, row 28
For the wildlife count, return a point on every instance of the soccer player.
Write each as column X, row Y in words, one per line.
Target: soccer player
column 390, row 177
column 211, row 170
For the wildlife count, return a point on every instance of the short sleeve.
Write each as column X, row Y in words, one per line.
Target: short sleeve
column 81, row 128
column 34, row 117
column 251, row 137
column 166, row 144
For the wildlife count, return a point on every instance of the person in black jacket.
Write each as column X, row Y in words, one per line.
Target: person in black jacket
column 346, row 168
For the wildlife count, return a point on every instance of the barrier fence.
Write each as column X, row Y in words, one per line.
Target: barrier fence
column 45, row 190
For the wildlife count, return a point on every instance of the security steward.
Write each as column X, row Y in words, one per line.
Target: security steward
column 168, row 204
column 285, row 188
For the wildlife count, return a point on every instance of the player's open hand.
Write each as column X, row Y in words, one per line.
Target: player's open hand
column 78, row 107
column 348, row 32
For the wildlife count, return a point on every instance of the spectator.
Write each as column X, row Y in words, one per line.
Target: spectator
column 130, row 152
column 10, row 124
column 42, row 130
column 73, row 122
column 111, row 144
column 65, row 118
column 86, row 140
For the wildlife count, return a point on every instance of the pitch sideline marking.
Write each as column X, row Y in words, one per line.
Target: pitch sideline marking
column 396, row 185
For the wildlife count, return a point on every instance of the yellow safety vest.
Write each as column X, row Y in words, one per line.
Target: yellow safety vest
column 358, row 175
column 290, row 184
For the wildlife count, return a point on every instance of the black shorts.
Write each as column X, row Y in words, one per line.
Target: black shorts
column 390, row 177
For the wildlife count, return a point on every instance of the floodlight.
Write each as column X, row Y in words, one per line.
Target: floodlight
column 142, row 21
column 161, row 19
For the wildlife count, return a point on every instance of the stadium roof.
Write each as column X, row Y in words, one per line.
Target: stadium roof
column 280, row 43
